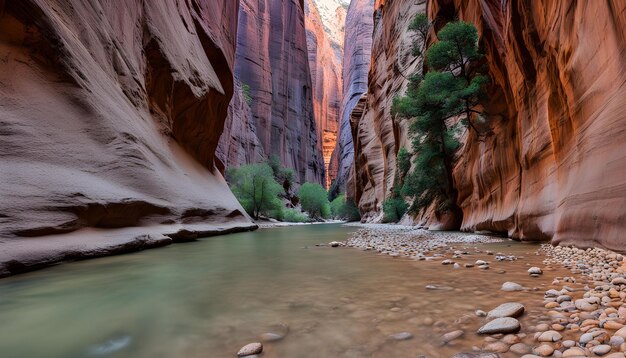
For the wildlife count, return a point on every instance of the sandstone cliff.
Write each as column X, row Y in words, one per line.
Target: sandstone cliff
column 377, row 135
column 110, row 116
column 272, row 60
column 554, row 164
column 356, row 61
column 325, row 55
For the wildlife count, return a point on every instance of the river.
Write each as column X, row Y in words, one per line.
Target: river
column 209, row 298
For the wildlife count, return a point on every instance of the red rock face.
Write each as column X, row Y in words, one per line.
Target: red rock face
column 377, row 135
column 111, row 113
column 325, row 58
column 272, row 60
column 356, row 62
column 554, row 166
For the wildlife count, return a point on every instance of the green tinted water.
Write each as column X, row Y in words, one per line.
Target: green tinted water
column 209, row 298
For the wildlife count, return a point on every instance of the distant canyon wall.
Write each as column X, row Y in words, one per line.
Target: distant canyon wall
column 377, row 135
column 111, row 114
column 272, row 68
column 356, row 61
column 550, row 165
column 325, row 60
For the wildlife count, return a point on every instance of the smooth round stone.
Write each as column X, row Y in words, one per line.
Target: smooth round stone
column 549, row 336
column 250, row 349
column 401, row 336
column 500, row 325
column 568, row 343
column 511, row 286
column 616, row 341
column 601, row 349
column 544, row 350
column 574, row 352
column 497, row 347
column 612, row 325
column 450, row 336
column 510, row 309
column 520, row 348
column 621, row 332
column 534, row 271
column 510, row 339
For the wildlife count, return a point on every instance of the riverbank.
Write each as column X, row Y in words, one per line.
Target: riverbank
column 575, row 301
column 20, row 255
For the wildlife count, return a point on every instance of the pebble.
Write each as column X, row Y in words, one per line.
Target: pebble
column 450, row 336
column 544, row 350
column 511, row 286
column 601, row 349
column 510, row 309
column 500, row 325
column 534, row 271
column 401, row 336
column 574, row 352
column 549, row 336
column 250, row 349
column 520, row 348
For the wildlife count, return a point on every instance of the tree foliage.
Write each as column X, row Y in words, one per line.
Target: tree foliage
column 284, row 176
column 255, row 188
column 451, row 88
column 394, row 209
column 344, row 209
column 314, row 200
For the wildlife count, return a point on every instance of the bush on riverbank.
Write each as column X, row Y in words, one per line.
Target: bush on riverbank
column 344, row 209
column 314, row 200
column 256, row 189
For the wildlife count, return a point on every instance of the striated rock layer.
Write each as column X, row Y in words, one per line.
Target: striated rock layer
column 377, row 135
column 110, row 115
column 553, row 166
column 325, row 57
column 356, row 62
column 272, row 60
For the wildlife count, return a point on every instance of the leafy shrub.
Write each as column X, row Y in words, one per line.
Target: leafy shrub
column 284, row 176
column 344, row 209
column 394, row 209
column 255, row 188
column 294, row 216
column 314, row 200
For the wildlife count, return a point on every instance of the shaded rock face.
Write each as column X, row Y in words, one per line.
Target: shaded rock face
column 325, row 56
column 272, row 60
column 376, row 134
column 356, row 62
column 239, row 143
column 553, row 166
column 111, row 113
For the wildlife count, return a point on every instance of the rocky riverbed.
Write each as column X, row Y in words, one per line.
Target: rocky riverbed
column 571, row 302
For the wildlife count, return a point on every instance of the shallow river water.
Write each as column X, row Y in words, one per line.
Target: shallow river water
column 211, row 297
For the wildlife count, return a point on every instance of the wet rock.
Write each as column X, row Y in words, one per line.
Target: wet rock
column 498, row 347
column 520, row 348
column 549, row 336
column 511, row 286
column 250, row 349
column 574, row 352
column 450, row 336
column 510, row 309
column 401, row 336
column 544, row 350
column 601, row 349
column 500, row 325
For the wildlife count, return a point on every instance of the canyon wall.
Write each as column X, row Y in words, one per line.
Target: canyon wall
column 272, row 62
column 325, row 53
column 377, row 135
column 110, row 115
column 356, row 61
column 553, row 164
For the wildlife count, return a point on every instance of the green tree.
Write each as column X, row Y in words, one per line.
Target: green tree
column 314, row 200
column 453, row 87
column 255, row 188
column 284, row 176
column 394, row 209
column 344, row 209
